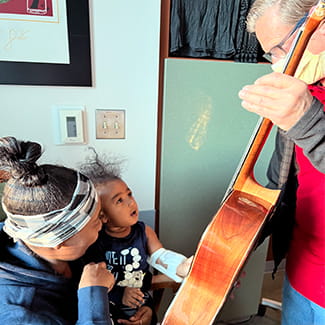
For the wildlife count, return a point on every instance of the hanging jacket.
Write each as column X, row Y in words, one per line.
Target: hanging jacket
column 212, row 29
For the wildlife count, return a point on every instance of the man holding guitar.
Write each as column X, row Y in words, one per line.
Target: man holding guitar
column 296, row 106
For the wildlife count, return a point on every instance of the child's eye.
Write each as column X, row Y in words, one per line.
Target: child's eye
column 130, row 194
column 120, row 200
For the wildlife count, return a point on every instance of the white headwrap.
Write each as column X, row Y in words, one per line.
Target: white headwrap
column 53, row 228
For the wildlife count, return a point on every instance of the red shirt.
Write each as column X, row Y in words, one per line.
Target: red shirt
column 305, row 265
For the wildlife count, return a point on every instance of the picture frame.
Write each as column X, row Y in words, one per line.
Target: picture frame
column 77, row 73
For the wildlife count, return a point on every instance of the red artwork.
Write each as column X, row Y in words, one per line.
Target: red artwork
column 27, row 7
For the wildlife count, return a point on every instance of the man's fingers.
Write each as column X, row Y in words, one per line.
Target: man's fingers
column 275, row 79
column 254, row 93
column 280, row 81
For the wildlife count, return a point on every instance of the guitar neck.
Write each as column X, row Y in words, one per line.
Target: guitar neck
column 246, row 165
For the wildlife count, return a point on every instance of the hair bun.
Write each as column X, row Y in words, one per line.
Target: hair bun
column 19, row 158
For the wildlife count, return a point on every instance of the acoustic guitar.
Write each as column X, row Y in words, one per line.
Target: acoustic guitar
column 234, row 231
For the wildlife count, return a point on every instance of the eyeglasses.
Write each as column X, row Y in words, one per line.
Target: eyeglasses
column 278, row 51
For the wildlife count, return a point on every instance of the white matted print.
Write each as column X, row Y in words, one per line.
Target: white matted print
column 34, row 31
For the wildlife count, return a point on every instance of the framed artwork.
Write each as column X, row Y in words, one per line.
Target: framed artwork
column 45, row 42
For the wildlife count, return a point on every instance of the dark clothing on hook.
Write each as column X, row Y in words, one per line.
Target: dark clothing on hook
column 212, row 28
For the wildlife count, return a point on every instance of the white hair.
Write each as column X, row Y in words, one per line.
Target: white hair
column 290, row 11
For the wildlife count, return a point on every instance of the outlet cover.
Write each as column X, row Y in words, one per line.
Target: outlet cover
column 110, row 124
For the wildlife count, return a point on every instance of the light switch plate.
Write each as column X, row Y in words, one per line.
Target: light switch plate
column 110, row 124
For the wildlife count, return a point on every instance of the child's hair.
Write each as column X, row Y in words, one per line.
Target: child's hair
column 31, row 188
column 101, row 169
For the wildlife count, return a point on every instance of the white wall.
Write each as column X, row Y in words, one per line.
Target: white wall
column 125, row 49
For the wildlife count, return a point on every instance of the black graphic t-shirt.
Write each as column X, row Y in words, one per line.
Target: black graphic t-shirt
column 126, row 258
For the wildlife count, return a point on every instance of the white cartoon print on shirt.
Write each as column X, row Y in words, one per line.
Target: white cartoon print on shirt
column 132, row 277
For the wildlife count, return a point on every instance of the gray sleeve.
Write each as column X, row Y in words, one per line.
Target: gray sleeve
column 309, row 134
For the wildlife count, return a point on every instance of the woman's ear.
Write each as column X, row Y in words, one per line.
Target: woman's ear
column 57, row 247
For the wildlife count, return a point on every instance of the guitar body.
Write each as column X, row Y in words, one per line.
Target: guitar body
column 221, row 254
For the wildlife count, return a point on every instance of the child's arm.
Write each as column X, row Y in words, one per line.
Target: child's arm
column 153, row 242
column 170, row 263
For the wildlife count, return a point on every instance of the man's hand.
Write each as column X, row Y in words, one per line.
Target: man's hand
column 280, row 98
column 141, row 317
column 96, row 275
column 132, row 297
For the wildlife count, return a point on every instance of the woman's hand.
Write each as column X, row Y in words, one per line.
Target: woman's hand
column 278, row 97
column 141, row 317
column 96, row 275
column 132, row 297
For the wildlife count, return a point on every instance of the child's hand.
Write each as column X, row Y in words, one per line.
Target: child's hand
column 132, row 297
column 141, row 317
column 184, row 268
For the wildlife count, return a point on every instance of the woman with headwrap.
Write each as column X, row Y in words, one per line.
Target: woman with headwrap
column 51, row 220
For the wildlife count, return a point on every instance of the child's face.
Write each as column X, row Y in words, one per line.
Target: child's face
column 119, row 208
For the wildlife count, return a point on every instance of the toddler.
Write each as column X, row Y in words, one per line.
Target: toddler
column 128, row 247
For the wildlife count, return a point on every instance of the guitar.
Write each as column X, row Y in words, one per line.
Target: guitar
column 234, row 231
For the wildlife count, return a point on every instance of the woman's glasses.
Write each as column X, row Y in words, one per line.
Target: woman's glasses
column 278, row 51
